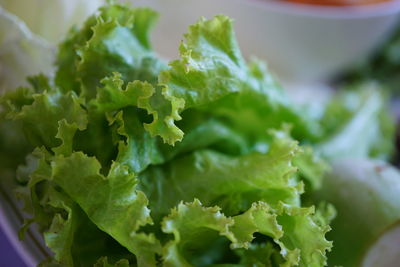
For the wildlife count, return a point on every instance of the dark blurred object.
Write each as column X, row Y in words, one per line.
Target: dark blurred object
column 397, row 155
column 383, row 67
column 395, row 109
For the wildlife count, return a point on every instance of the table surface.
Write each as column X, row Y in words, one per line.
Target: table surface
column 9, row 256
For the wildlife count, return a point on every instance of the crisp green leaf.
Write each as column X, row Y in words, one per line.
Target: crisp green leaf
column 312, row 168
column 201, row 235
column 212, row 75
column 303, row 236
column 233, row 183
column 111, row 202
column 117, row 41
column 60, row 236
column 259, row 255
column 40, row 119
column 103, row 262
column 197, row 235
column 75, row 240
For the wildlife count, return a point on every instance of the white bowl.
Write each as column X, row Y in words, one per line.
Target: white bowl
column 32, row 249
column 299, row 42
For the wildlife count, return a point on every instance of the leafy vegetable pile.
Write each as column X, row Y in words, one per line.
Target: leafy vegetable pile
column 140, row 163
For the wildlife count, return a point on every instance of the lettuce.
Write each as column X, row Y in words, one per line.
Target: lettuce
column 28, row 47
column 134, row 162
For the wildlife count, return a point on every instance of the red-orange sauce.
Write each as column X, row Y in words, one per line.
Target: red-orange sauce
column 337, row 2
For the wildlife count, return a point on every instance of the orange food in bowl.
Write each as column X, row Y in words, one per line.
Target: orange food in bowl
column 338, row 2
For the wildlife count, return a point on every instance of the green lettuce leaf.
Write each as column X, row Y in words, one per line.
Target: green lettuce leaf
column 116, row 40
column 196, row 231
column 259, row 255
column 67, row 230
column 203, row 241
column 41, row 117
column 142, row 164
column 311, row 166
column 212, row 72
column 126, row 208
column 103, row 262
column 232, row 183
column 201, row 131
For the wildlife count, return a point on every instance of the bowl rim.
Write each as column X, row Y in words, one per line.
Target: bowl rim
column 9, row 227
column 31, row 249
column 381, row 9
